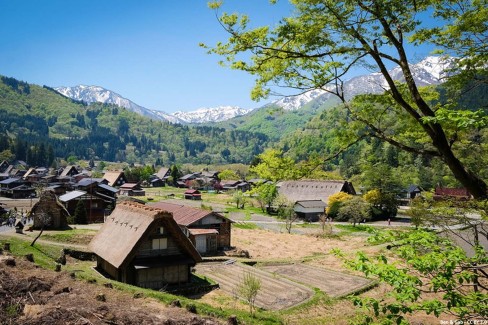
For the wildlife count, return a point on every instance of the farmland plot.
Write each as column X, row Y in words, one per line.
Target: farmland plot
column 276, row 292
column 334, row 284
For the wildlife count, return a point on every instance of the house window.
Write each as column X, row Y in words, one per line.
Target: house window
column 159, row 243
column 161, row 230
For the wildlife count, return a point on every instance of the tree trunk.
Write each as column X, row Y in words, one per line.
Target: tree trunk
column 35, row 239
column 475, row 185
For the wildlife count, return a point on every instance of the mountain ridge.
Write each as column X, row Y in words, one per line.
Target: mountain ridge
column 428, row 71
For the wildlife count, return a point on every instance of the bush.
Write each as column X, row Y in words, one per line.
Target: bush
column 80, row 216
column 354, row 210
column 335, row 202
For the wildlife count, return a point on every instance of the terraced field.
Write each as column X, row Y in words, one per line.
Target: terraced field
column 334, row 284
column 276, row 292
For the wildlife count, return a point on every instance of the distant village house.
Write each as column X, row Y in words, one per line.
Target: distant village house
column 310, row 197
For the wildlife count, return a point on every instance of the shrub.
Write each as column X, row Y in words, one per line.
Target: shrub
column 335, row 202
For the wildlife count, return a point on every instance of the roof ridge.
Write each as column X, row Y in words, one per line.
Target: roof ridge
column 153, row 212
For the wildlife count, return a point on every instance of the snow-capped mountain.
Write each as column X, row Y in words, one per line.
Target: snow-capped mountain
column 429, row 71
column 91, row 94
column 216, row 114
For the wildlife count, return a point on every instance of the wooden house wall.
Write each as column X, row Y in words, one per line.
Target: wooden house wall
column 97, row 213
column 222, row 225
column 158, row 277
column 211, row 243
column 224, row 235
column 108, row 268
column 145, row 250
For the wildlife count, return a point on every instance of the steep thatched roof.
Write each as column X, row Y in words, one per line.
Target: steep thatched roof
column 129, row 223
column 69, row 169
column 112, row 177
column 309, row 190
column 49, row 204
column 162, row 172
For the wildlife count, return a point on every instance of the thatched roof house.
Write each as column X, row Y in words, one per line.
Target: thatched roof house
column 49, row 212
column 69, row 171
column 309, row 190
column 302, row 193
column 162, row 173
column 144, row 246
column 115, row 179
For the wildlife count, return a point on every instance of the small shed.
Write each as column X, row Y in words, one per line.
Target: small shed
column 413, row 191
column 19, row 226
column 205, row 240
column 132, row 189
column 310, row 210
column 193, row 195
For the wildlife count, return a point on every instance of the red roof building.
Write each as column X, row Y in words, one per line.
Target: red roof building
column 209, row 231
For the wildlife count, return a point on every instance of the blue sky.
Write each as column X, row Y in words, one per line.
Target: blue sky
column 147, row 51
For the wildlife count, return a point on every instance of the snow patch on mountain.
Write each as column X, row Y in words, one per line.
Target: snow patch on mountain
column 429, row 71
column 92, row 94
column 214, row 114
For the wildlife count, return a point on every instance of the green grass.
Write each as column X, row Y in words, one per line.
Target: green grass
column 246, row 225
column 75, row 236
column 307, row 225
column 44, row 255
column 357, row 228
column 319, row 297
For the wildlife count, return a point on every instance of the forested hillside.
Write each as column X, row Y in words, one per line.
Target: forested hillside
column 38, row 124
column 373, row 163
column 276, row 122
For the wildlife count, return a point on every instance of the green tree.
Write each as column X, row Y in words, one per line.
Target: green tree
column 175, row 173
column 101, row 165
column 239, row 199
column 383, row 205
column 72, row 160
column 6, row 155
column 265, row 194
column 80, row 217
column 248, row 289
column 140, row 173
column 354, row 211
column 334, row 203
column 228, row 174
column 324, row 40
column 272, row 165
column 286, row 212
